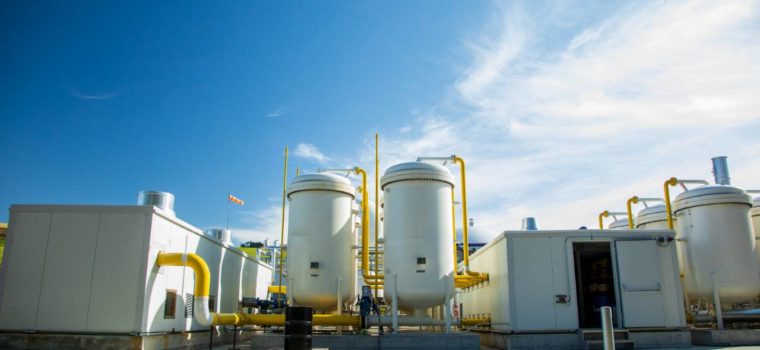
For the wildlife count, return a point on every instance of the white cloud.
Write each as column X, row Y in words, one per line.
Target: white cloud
column 277, row 112
column 265, row 224
column 103, row 96
column 309, row 151
column 651, row 92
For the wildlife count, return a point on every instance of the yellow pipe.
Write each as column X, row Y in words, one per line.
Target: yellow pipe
column 629, row 203
column 193, row 261
column 475, row 321
column 465, row 237
column 668, row 211
column 277, row 289
column 603, row 215
column 368, row 279
column 317, row 320
column 282, row 218
column 377, row 208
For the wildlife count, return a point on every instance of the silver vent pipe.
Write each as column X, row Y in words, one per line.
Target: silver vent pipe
column 529, row 224
column 720, row 170
column 163, row 200
column 221, row 234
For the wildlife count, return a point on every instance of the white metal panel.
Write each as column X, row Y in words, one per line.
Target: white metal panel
column 563, row 274
column 532, row 285
column 22, row 269
column 211, row 251
column 640, row 283
column 232, row 272
column 68, row 268
column 116, row 284
column 165, row 237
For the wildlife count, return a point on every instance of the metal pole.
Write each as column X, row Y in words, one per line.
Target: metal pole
column 377, row 211
column 716, row 301
column 447, row 309
column 608, row 332
column 228, row 210
column 282, row 222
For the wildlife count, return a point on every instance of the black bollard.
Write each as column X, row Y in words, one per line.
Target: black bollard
column 298, row 328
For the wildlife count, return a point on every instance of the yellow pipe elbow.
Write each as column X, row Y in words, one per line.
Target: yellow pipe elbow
column 666, row 188
column 628, row 204
column 193, row 261
column 603, row 215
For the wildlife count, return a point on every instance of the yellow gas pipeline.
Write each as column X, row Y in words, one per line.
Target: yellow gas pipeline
column 469, row 276
column 666, row 188
column 371, row 280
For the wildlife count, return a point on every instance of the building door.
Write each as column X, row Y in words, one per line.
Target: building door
column 594, row 281
column 640, row 284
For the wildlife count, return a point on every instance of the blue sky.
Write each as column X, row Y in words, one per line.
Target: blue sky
column 561, row 108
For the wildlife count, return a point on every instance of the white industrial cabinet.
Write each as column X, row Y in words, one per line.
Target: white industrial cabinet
column 91, row 269
column 556, row 280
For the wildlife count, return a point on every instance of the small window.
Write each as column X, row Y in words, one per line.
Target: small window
column 421, row 261
column 314, row 265
column 189, row 305
column 170, row 303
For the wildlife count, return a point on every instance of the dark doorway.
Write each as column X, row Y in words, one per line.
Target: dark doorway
column 594, row 281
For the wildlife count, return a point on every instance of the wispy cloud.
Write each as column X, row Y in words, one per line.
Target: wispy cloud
column 264, row 223
column 310, row 152
column 565, row 131
column 280, row 111
column 103, row 96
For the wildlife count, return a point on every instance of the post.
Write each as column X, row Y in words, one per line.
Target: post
column 716, row 301
column 608, row 332
column 282, row 220
column 394, row 307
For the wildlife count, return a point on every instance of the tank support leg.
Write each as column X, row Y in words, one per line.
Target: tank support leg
column 394, row 307
column 716, row 301
column 340, row 305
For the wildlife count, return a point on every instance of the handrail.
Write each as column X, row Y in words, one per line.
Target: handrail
column 673, row 181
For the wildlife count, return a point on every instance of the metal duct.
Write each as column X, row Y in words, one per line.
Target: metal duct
column 163, row 200
column 529, row 224
column 720, row 170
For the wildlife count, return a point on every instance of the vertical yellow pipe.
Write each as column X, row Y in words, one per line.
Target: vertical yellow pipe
column 454, row 232
column 368, row 279
column 669, row 212
column 377, row 209
column 465, row 232
column 631, row 201
column 282, row 219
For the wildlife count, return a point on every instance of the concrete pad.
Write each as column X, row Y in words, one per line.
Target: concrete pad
column 421, row 341
column 725, row 337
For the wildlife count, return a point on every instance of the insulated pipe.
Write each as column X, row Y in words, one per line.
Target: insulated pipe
column 368, row 279
column 666, row 188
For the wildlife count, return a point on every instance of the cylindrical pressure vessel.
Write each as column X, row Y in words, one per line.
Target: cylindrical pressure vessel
column 417, row 229
column 652, row 218
column 755, row 213
column 619, row 224
column 715, row 223
column 655, row 218
column 320, row 240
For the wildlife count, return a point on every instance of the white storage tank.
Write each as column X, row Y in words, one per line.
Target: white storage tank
column 755, row 213
column 417, row 231
column 652, row 218
column 715, row 223
column 619, row 224
column 320, row 240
